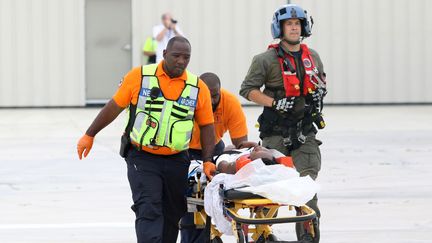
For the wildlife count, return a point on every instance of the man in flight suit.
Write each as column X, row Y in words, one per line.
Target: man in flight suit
column 294, row 87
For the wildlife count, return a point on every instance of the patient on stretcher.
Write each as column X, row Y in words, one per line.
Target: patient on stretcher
column 233, row 160
column 259, row 171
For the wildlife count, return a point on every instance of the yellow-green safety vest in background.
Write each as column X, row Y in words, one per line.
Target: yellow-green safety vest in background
column 150, row 45
column 160, row 121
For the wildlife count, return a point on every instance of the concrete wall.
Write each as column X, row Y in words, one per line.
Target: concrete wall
column 42, row 53
column 224, row 34
column 373, row 51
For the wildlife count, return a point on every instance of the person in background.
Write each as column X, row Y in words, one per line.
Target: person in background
column 163, row 32
column 149, row 50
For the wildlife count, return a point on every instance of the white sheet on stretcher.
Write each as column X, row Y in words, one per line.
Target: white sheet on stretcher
column 278, row 183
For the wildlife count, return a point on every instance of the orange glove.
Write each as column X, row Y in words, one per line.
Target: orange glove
column 85, row 143
column 209, row 169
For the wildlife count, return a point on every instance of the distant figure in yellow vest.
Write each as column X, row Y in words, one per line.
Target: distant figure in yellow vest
column 149, row 50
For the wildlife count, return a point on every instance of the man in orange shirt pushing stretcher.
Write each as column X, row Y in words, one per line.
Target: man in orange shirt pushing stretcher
column 228, row 116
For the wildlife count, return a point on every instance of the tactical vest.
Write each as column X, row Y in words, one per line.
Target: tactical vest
column 289, row 74
column 160, row 121
column 293, row 127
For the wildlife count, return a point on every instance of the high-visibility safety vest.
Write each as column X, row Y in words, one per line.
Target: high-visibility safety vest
column 160, row 121
column 290, row 79
column 150, row 45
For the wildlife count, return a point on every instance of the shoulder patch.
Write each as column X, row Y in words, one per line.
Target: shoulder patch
column 307, row 63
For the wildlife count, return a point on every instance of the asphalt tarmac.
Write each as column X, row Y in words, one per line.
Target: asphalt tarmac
column 376, row 177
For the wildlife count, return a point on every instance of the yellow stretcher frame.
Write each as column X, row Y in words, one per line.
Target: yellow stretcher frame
column 263, row 214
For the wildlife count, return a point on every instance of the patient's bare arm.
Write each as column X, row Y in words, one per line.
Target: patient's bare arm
column 227, row 167
column 247, row 144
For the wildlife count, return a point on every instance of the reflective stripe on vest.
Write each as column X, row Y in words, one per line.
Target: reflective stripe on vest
column 290, row 79
column 160, row 121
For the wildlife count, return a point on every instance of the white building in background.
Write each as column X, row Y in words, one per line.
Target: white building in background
column 73, row 52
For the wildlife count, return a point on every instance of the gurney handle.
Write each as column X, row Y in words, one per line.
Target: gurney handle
column 294, row 219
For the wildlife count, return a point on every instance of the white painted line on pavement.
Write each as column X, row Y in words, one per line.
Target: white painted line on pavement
column 67, row 226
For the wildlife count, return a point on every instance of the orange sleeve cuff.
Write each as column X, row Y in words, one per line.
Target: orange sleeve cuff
column 129, row 88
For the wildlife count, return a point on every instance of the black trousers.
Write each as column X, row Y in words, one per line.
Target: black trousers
column 158, row 185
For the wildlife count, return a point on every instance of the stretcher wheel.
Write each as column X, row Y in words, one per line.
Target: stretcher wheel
column 317, row 231
column 303, row 229
column 303, row 235
column 272, row 237
column 217, row 239
column 240, row 234
column 241, row 237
